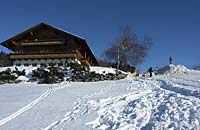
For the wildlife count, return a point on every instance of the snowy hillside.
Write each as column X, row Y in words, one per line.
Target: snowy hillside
column 29, row 69
column 169, row 100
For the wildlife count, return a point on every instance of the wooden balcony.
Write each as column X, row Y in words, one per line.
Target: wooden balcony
column 41, row 43
column 60, row 55
column 42, row 56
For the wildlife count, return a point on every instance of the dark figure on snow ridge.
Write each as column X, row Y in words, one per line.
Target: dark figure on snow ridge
column 170, row 60
column 150, row 70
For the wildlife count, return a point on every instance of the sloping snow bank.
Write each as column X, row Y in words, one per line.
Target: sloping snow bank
column 170, row 69
column 102, row 70
column 29, row 69
column 120, row 112
column 22, row 78
column 105, row 70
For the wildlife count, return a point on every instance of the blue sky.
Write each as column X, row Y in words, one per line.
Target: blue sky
column 174, row 25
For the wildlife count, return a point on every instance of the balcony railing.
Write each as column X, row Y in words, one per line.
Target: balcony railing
column 42, row 43
column 75, row 55
column 41, row 56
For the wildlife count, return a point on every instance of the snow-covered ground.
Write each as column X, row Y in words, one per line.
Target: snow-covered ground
column 170, row 100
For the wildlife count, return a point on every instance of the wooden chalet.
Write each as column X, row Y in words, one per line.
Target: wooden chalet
column 44, row 44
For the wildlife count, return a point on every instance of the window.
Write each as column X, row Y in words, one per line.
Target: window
column 34, row 65
column 26, row 64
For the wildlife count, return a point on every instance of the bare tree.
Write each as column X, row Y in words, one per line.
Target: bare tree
column 104, row 63
column 128, row 49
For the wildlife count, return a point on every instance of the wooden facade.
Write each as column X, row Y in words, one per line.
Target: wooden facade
column 44, row 43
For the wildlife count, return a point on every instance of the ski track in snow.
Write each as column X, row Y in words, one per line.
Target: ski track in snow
column 186, row 89
column 183, row 91
column 160, row 108
column 175, row 110
column 30, row 105
column 25, row 108
column 80, row 108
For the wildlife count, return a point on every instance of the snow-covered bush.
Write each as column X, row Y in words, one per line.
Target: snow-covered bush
column 19, row 73
column 47, row 75
column 7, row 76
column 75, row 67
column 57, row 73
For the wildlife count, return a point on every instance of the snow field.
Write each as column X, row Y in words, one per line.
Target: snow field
column 169, row 101
column 80, row 108
column 14, row 97
column 156, row 109
column 25, row 108
column 49, row 90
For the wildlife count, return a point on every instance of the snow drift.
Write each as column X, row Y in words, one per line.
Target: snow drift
column 170, row 69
